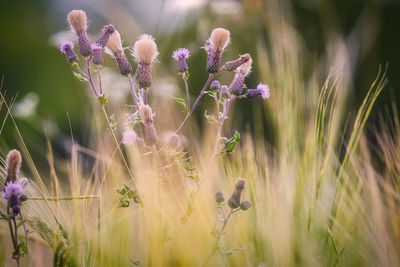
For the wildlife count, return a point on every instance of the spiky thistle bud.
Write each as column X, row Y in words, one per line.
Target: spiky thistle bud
column 262, row 90
column 225, row 91
column 114, row 48
column 215, row 46
column 215, row 85
column 106, row 32
column 78, row 23
column 150, row 134
column 128, row 137
column 13, row 194
column 234, row 200
column 242, row 71
column 97, row 57
column 13, row 162
column 181, row 55
column 245, row 205
column 67, row 48
column 145, row 53
column 219, row 197
column 234, row 64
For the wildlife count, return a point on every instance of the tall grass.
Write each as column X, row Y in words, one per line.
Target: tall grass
column 317, row 198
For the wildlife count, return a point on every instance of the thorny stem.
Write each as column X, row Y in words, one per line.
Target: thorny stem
column 221, row 122
column 89, row 75
column 133, row 92
column 219, row 235
column 196, row 102
column 118, row 146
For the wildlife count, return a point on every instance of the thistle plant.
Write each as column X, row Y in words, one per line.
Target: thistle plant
column 13, row 193
column 223, row 217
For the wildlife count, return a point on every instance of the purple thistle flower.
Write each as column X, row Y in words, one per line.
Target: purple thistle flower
column 67, row 48
column 181, row 55
column 97, row 57
column 215, row 85
column 12, row 190
column 262, row 90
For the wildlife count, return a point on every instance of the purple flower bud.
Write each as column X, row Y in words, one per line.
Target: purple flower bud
column 85, row 49
column 123, row 64
column 225, row 91
column 67, row 48
column 219, row 197
column 145, row 78
column 107, row 31
column 236, row 87
column 181, row 55
column 213, row 61
column 16, row 209
column 245, row 205
column 97, row 57
column 215, row 85
column 233, row 65
column 234, row 200
column 262, row 90
column 23, row 197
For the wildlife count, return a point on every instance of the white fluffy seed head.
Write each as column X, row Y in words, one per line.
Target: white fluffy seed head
column 145, row 49
column 146, row 113
column 220, row 39
column 114, row 44
column 77, row 20
column 245, row 68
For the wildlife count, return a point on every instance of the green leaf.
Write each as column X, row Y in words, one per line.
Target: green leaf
column 231, row 145
column 3, row 216
column 182, row 102
column 80, row 77
column 136, row 262
column 123, row 203
column 102, row 100
column 211, row 118
column 210, row 93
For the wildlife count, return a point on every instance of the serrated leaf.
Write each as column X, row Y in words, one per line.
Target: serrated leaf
column 182, row 102
column 211, row 118
column 79, row 77
column 231, row 145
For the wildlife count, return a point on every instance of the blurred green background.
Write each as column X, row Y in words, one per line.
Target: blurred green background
column 37, row 75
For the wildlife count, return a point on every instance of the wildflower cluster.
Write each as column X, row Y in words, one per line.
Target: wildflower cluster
column 13, row 193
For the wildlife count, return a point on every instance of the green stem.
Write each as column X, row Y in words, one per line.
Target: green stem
column 64, row 198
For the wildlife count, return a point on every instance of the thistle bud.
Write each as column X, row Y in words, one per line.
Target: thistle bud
column 23, row 197
column 234, row 200
column 215, row 46
column 181, row 55
column 145, row 53
column 262, row 90
column 97, row 57
column 67, row 49
column 233, row 65
column 114, row 48
column 215, row 85
column 245, row 205
column 219, row 197
column 150, row 134
column 78, row 23
column 225, row 91
column 107, row 31
column 13, row 162
column 242, row 71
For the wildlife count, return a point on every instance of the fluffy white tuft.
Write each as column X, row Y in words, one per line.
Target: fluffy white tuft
column 114, row 44
column 77, row 20
column 145, row 49
column 220, row 39
column 245, row 68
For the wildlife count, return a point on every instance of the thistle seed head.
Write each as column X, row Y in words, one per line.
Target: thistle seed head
column 145, row 50
column 13, row 162
column 146, row 114
column 77, row 21
column 114, row 44
column 245, row 68
column 234, row 64
column 220, row 39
